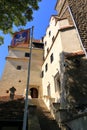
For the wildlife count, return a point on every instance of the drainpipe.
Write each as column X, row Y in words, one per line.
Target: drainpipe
column 77, row 32
column 27, row 87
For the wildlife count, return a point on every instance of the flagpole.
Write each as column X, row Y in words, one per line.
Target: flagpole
column 27, row 87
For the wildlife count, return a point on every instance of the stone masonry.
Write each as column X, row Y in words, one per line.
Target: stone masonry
column 79, row 12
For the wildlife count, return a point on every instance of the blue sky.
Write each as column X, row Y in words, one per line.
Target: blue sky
column 40, row 23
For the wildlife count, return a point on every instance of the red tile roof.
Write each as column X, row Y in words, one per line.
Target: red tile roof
column 77, row 53
column 66, row 27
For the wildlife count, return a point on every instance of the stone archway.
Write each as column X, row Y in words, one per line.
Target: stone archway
column 34, row 93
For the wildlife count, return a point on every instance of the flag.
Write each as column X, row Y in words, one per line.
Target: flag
column 21, row 37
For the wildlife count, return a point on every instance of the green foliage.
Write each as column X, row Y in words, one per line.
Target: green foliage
column 1, row 40
column 16, row 12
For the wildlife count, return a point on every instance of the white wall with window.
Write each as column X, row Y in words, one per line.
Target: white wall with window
column 53, row 62
column 66, row 41
column 52, row 30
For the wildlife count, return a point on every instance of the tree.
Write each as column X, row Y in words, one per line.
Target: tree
column 16, row 12
column 1, row 40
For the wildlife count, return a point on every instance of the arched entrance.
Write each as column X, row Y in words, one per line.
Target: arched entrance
column 34, row 93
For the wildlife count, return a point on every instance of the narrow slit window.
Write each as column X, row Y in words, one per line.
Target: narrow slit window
column 42, row 74
column 51, row 58
column 46, row 67
column 18, row 67
column 27, row 54
column 49, row 33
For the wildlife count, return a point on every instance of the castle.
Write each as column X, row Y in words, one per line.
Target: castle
column 59, row 70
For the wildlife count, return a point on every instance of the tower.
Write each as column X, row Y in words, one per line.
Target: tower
column 16, row 69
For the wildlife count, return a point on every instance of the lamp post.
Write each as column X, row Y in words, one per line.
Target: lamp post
column 27, row 86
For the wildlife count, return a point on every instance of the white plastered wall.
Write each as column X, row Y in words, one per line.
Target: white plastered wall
column 53, row 68
column 66, row 41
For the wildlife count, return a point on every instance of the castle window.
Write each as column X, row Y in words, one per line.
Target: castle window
column 48, row 90
column 57, row 83
column 51, row 58
column 45, row 43
column 49, row 33
column 42, row 74
column 46, row 67
column 18, row 67
column 19, row 81
column 27, row 54
column 53, row 39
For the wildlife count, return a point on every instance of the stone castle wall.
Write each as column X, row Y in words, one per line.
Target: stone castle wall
column 79, row 12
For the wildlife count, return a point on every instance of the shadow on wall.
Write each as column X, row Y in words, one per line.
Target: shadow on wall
column 75, row 74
